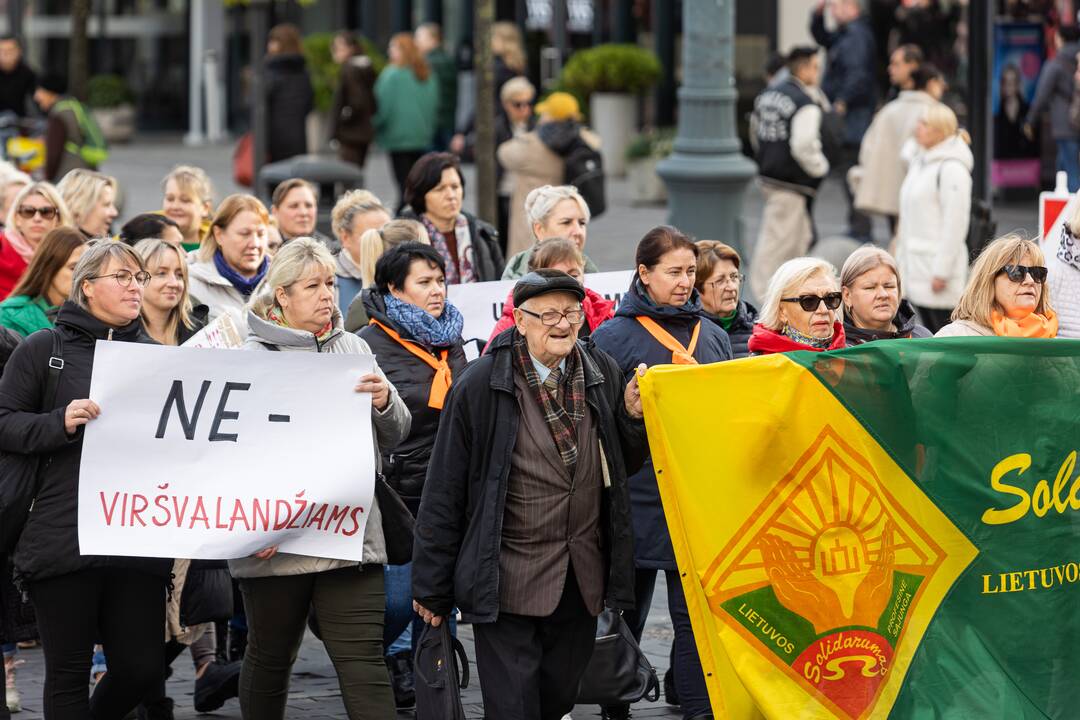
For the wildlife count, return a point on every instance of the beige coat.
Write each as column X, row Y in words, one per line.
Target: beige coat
column 532, row 164
column 964, row 328
column 881, row 170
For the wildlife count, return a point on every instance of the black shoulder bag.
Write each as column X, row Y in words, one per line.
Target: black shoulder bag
column 20, row 474
column 618, row 671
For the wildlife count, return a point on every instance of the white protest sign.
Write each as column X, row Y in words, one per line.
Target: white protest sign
column 223, row 332
column 482, row 303
column 215, row 454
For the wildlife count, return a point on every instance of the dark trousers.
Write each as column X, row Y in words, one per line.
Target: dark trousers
column 125, row 610
column 530, row 667
column 349, row 606
column 689, row 677
column 860, row 226
column 933, row 319
column 4, row 714
column 401, row 162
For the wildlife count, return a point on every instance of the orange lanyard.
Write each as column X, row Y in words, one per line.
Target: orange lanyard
column 440, row 384
column 679, row 355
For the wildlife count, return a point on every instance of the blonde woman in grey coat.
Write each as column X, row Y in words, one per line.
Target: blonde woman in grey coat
column 295, row 311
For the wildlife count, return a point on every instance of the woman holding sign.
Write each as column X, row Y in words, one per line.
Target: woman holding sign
column 295, row 311
column 660, row 322
column 81, row 599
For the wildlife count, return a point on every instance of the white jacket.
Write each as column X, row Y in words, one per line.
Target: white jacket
column 881, row 168
column 209, row 288
column 935, row 209
column 1063, row 284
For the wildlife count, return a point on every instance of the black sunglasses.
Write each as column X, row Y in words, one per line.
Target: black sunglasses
column 520, row 104
column 810, row 303
column 1016, row 273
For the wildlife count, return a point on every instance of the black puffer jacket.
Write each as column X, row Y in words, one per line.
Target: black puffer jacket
column 405, row 466
column 459, row 529
column 904, row 321
column 49, row 546
column 289, row 99
column 742, row 326
column 485, row 239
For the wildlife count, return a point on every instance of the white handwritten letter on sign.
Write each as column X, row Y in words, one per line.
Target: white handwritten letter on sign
column 215, row 454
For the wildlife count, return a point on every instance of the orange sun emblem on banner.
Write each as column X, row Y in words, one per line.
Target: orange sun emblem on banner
column 824, row 575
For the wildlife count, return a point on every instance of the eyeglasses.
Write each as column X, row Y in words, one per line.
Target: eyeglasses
column 551, row 318
column 1016, row 273
column 520, row 104
column 734, row 279
column 810, row 303
column 27, row 212
column 124, row 278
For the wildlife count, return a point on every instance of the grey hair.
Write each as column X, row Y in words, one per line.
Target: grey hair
column 290, row 264
column 541, row 202
column 351, row 205
column 865, row 259
column 94, row 260
column 787, row 278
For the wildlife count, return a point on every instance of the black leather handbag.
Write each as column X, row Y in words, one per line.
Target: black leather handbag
column 618, row 671
column 440, row 673
column 397, row 523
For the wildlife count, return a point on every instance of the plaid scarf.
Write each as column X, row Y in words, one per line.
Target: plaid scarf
column 563, row 409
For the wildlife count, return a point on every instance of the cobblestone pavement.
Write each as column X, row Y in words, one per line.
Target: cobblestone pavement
column 314, row 694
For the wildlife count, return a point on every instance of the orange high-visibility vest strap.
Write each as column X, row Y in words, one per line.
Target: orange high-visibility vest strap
column 440, row 384
column 679, row 355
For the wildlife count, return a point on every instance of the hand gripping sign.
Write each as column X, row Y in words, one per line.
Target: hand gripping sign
column 214, row 454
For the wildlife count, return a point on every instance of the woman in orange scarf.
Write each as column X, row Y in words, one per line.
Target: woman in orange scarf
column 1006, row 294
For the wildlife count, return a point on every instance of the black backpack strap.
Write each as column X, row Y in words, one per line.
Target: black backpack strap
column 56, row 365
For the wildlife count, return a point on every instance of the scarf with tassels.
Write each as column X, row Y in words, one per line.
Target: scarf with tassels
column 563, row 407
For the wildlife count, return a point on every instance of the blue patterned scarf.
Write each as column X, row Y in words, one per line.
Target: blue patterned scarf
column 439, row 332
column 243, row 285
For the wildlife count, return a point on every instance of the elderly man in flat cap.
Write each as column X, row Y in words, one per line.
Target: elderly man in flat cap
column 524, row 524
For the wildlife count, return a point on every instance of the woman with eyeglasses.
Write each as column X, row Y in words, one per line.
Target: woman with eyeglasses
column 35, row 301
column 81, row 599
column 1006, row 294
column 37, row 209
column 935, row 210
column 719, row 282
column 660, row 322
column 873, row 307
column 799, row 310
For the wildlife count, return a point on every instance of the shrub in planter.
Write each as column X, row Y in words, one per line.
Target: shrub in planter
column 111, row 103
column 108, row 91
column 642, row 154
column 612, row 68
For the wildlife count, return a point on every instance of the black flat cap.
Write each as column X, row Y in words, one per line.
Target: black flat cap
column 541, row 282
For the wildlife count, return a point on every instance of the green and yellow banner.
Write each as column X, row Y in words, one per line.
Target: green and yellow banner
column 891, row 530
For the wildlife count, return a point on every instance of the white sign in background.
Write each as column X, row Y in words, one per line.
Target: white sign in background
column 266, row 448
column 482, row 303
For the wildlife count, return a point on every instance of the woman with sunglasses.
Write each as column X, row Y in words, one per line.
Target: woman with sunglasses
column 1006, row 295
column 81, row 599
column 799, row 310
column 935, row 209
column 37, row 209
column 659, row 322
column 719, row 281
